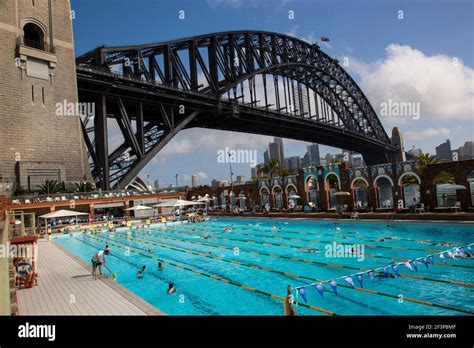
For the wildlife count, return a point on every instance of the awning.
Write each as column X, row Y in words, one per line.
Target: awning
column 109, row 205
column 62, row 213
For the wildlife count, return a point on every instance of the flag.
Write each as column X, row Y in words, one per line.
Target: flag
column 442, row 257
column 333, row 286
column 319, row 288
column 430, row 259
column 395, row 269
column 408, row 264
column 324, row 39
column 426, row 261
column 302, row 292
column 415, row 265
column 360, row 279
column 372, row 275
column 349, row 281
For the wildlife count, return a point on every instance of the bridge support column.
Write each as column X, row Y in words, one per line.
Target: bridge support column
column 101, row 141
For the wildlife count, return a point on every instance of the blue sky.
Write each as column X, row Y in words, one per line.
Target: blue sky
column 427, row 57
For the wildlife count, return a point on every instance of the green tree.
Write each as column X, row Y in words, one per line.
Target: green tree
column 425, row 160
column 51, row 187
column 271, row 168
column 84, row 186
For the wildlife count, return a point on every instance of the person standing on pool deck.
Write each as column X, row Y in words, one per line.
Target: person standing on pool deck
column 97, row 260
column 289, row 310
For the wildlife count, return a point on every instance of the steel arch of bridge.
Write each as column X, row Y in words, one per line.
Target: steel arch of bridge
column 246, row 81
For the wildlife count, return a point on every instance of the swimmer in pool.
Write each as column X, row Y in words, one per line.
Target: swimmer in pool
column 141, row 272
column 171, row 289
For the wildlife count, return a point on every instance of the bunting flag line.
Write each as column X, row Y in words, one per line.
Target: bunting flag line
column 412, row 265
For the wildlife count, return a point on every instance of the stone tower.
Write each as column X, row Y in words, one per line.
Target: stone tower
column 397, row 140
column 38, row 140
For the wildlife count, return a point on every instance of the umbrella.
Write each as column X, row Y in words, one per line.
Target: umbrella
column 342, row 193
column 294, row 196
column 139, row 207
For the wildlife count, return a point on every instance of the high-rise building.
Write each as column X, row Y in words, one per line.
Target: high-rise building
column 214, row 183
column 39, row 140
column 443, row 151
column 266, row 157
column 397, row 140
column 293, row 163
column 274, row 152
column 157, row 183
column 193, row 180
column 466, row 151
column 313, row 153
column 305, row 162
column 356, row 161
column 279, row 141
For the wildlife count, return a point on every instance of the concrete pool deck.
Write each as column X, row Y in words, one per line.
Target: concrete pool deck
column 66, row 287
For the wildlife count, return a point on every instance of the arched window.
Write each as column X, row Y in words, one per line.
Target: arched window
column 384, row 192
column 278, row 196
column 265, row 196
column 410, row 185
column 312, row 190
column 332, row 186
column 33, row 36
column 360, row 187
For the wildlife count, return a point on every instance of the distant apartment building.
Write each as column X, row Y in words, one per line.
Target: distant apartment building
column 313, row 154
column 240, row 179
column 414, row 153
column 193, row 180
column 293, row 163
column 466, row 151
column 443, row 151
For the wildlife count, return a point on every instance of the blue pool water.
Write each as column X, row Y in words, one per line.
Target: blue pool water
column 256, row 254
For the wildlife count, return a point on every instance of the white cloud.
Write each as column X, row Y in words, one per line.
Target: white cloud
column 443, row 85
column 199, row 175
column 428, row 133
column 232, row 3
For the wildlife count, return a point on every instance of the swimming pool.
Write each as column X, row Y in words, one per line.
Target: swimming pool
column 242, row 266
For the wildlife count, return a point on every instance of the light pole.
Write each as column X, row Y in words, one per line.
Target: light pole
column 231, row 181
column 176, row 176
column 148, row 182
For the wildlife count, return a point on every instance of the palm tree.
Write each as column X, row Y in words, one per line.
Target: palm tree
column 271, row 168
column 84, row 186
column 425, row 160
column 51, row 187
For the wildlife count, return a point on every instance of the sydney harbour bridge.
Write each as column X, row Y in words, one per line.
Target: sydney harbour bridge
column 244, row 81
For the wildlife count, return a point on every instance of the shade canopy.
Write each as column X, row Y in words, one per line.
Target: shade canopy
column 448, row 187
column 294, row 196
column 178, row 203
column 139, row 207
column 62, row 213
column 342, row 193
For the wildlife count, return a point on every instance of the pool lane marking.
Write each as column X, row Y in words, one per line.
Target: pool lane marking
column 319, row 240
column 291, row 274
column 223, row 280
column 330, row 264
column 186, row 232
column 259, row 228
